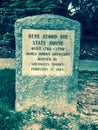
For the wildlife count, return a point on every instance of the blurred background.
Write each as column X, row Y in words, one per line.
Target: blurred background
column 84, row 11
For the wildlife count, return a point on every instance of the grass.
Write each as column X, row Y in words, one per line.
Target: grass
column 9, row 119
column 7, row 88
column 12, row 120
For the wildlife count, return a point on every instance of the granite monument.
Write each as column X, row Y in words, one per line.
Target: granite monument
column 47, row 56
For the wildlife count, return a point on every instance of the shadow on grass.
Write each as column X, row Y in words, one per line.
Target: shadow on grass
column 7, row 88
column 9, row 119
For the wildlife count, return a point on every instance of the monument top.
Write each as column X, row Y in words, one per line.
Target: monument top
column 48, row 21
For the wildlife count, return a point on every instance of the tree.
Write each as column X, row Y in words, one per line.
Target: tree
column 84, row 11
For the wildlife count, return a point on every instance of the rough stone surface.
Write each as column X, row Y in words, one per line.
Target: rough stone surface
column 57, row 93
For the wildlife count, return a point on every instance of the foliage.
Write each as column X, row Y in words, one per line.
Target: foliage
column 10, row 120
column 54, row 123
column 88, row 127
column 7, row 88
column 11, row 10
column 85, row 11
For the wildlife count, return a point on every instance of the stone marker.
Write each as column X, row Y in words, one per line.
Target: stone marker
column 47, row 55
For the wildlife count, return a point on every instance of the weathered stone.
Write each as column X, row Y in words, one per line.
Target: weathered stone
column 54, row 90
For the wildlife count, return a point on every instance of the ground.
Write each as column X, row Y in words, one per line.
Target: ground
column 42, row 118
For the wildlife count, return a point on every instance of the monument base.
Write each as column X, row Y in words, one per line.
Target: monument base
column 57, row 106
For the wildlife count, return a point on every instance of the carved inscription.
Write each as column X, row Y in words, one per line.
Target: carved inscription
column 47, row 52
